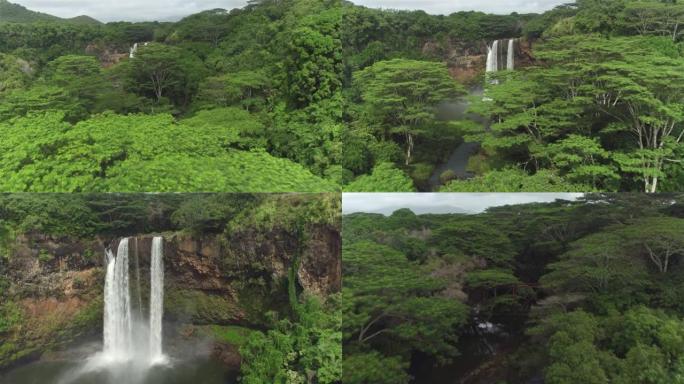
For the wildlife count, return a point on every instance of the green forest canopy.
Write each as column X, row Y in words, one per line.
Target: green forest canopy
column 595, row 105
column 585, row 291
column 257, row 89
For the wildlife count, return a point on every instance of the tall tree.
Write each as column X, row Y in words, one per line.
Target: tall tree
column 401, row 97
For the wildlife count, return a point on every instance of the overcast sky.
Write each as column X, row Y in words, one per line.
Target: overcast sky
column 450, row 6
column 165, row 10
column 128, row 10
column 442, row 202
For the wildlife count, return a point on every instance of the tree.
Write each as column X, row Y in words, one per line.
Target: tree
column 625, row 91
column 385, row 178
column 114, row 153
column 306, row 350
column 574, row 357
column 15, row 73
column 596, row 264
column 374, row 368
column 515, row 180
column 37, row 99
column 654, row 18
column 600, row 16
column 582, row 160
column 468, row 237
column 249, row 89
column 212, row 26
column 640, row 89
column 400, row 97
column 313, row 62
column 80, row 76
column 659, row 239
column 164, row 70
column 386, row 296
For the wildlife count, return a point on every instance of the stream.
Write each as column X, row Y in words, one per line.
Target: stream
column 458, row 161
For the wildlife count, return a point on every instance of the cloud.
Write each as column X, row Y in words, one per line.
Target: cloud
column 446, row 7
column 128, row 10
column 420, row 203
column 171, row 10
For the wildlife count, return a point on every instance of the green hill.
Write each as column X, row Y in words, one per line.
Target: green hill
column 83, row 19
column 15, row 13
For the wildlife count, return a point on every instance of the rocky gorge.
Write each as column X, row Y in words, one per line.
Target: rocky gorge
column 219, row 287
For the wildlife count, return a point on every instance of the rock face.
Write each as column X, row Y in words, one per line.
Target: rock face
column 466, row 60
column 107, row 56
column 57, row 282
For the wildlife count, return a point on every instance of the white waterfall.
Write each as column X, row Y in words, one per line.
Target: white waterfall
column 134, row 49
column 493, row 57
column 510, row 61
column 118, row 327
column 156, row 300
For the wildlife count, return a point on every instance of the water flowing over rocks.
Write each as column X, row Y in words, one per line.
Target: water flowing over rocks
column 59, row 281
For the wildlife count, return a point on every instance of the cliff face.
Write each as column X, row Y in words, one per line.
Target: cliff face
column 108, row 56
column 55, row 284
column 466, row 60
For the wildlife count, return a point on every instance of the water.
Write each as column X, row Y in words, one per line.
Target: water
column 458, row 161
column 493, row 57
column 156, row 300
column 196, row 371
column 125, row 358
column 132, row 349
column 493, row 53
column 118, row 327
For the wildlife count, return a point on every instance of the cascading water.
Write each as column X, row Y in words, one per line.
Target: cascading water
column 118, row 327
column 156, row 300
column 131, row 349
column 492, row 64
column 493, row 53
column 493, row 57
column 133, row 50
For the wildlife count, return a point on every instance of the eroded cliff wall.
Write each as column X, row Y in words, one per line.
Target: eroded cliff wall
column 52, row 286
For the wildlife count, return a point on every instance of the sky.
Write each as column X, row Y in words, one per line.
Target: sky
column 128, row 10
column 172, row 10
column 450, row 6
column 420, row 203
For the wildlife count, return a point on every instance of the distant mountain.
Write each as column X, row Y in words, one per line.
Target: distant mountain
column 83, row 19
column 15, row 13
column 427, row 209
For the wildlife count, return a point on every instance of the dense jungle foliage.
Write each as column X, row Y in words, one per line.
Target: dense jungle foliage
column 595, row 104
column 299, row 338
column 244, row 100
column 588, row 291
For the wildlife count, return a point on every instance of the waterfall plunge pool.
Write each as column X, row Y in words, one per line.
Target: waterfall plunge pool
column 131, row 352
column 193, row 371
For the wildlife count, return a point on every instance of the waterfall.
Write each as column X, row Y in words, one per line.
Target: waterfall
column 134, row 49
column 156, row 300
column 510, row 62
column 493, row 57
column 117, row 310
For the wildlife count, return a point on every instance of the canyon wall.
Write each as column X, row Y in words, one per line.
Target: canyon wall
column 53, row 285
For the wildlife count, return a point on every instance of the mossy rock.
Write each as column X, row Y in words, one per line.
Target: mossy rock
column 447, row 176
column 228, row 334
column 52, row 333
column 200, row 307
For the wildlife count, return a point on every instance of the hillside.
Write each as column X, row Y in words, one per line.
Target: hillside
column 15, row 13
column 247, row 86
